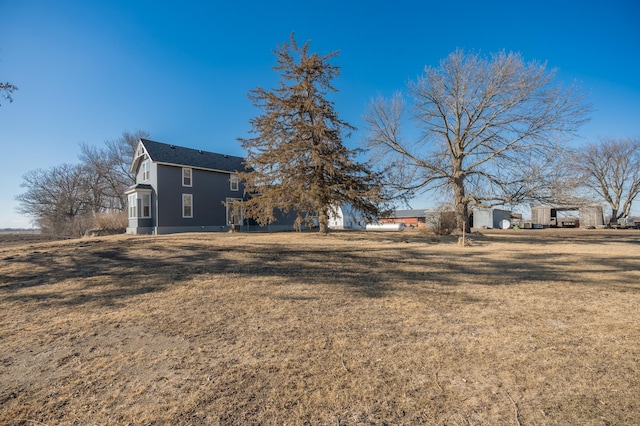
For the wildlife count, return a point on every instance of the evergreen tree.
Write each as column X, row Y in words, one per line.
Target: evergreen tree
column 297, row 162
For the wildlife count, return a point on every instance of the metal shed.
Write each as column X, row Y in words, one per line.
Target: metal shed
column 488, row 218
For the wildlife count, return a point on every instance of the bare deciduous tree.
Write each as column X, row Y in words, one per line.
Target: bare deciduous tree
column 298, row 161
column 69, row 198
column 60, row 199
column 490, row 131
column 610, row 169
column 111, row 166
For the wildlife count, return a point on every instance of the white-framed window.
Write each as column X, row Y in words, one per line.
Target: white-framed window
column 133, row 206
column 145, row 170
column 145, row 211
column 187, row 205
column 233, row 182
column 139, row 205
column 235, row 214
column 187, row 176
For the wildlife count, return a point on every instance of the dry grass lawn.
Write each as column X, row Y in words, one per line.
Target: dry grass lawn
column 519, row 328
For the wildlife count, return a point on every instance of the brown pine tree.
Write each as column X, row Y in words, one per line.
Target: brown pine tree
column 297, row 161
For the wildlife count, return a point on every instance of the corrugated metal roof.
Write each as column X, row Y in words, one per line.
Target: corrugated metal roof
column 181, row 156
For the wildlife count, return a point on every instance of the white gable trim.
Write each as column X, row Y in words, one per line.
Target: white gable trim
column 140, row 154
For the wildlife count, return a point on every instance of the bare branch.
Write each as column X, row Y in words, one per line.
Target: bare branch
column 489, row 129
column 610, row 171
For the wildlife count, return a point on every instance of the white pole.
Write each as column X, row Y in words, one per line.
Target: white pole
column 464, row 228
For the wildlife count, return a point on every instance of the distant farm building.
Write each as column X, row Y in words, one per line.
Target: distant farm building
column 489, row 218
column 414, row 218
column 567, row 216
column 346, row 217
column 421, row 218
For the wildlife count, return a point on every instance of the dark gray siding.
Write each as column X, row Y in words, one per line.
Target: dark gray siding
column 499, row 216
column 210, row 190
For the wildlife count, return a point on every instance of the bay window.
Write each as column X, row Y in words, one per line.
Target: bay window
column 139, row 205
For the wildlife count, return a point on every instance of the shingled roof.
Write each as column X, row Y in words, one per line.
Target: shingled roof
column 187, row 157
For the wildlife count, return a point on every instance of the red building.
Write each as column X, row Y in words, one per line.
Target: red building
column 412, row 218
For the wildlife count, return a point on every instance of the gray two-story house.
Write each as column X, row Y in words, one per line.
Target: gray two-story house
column 181, row 189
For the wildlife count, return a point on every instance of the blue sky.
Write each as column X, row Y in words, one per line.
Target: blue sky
column 89, row 70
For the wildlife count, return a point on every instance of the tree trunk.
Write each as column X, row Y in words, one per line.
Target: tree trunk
column 461, row 205
column 323, row 222
column 614, row 216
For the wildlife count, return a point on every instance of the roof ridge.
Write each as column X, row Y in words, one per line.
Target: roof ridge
column 200, row 151
column 161, row 152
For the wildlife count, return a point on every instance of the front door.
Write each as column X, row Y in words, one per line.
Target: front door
column 234, row 211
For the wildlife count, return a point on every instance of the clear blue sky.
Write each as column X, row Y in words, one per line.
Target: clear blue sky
column 89, row 70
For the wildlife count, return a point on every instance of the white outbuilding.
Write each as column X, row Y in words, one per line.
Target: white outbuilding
column 346, row 217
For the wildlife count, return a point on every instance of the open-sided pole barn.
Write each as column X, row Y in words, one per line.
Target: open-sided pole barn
column 552, row 216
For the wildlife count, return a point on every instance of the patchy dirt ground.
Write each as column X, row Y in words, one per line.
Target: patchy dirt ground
column 519, row 328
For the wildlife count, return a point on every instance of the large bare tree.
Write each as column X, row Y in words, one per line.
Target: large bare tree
column 610, row 170
column 110, row 164
column 66, row 199
column 298, row 163
column 489, row 131
column 60, row 199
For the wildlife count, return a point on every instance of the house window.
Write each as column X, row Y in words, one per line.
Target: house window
column 133, row 206
column 139, row 205
column 234, row 211
column 187, row 205
column 233, row 182
column 186, row 177
column 146, row 206
column 145, row 170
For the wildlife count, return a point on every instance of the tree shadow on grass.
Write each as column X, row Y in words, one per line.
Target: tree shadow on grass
column 101, row 273
column 554, row 236
column 109, row 272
